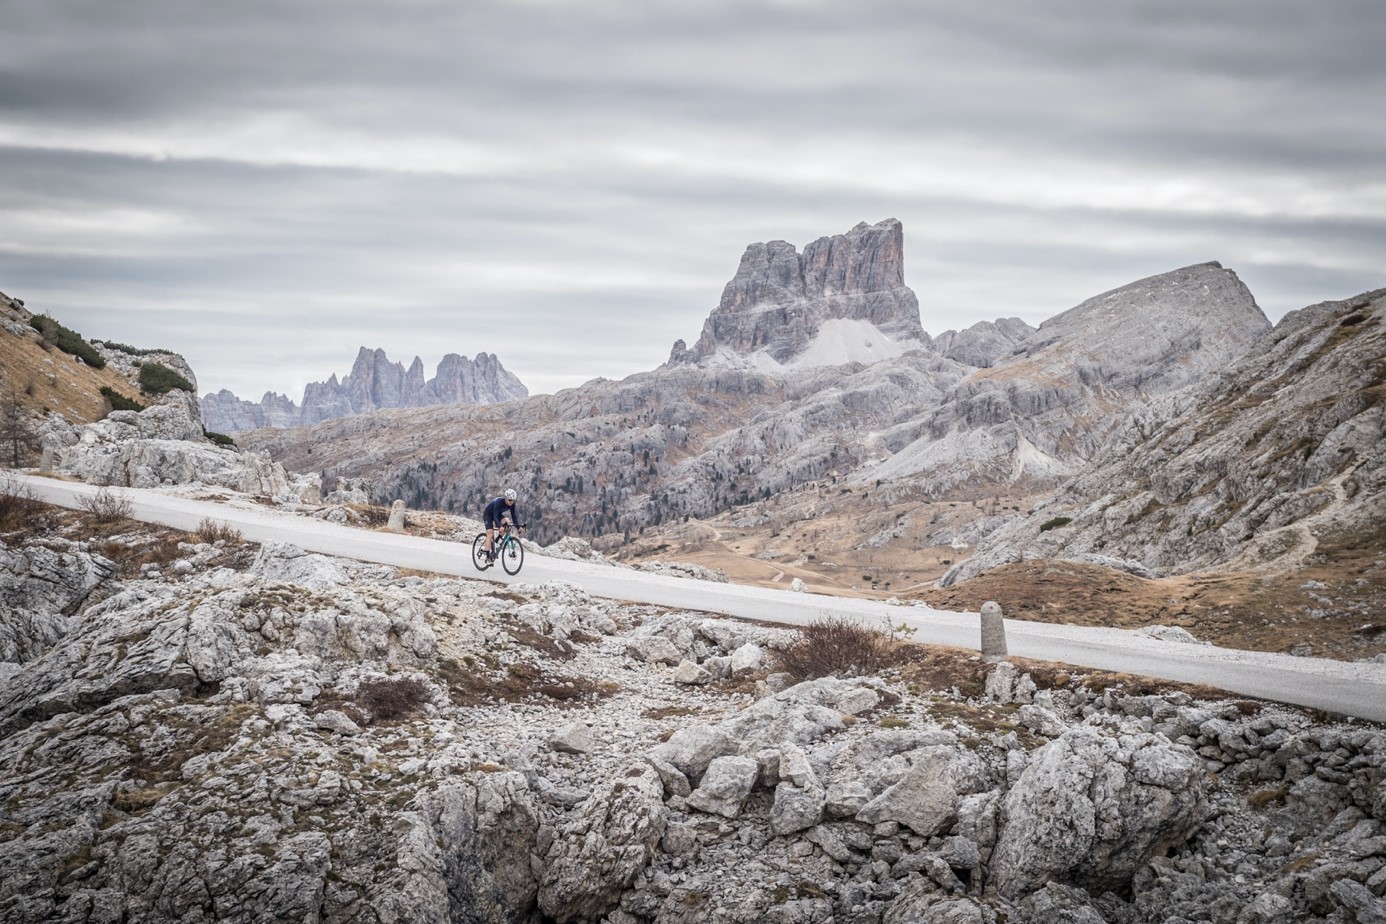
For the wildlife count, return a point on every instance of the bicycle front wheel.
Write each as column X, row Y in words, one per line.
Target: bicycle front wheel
column 479, row 552
column 512, row 555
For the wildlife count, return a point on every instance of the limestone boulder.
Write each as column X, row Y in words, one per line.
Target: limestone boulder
column 1091, row 808
column 610, row 839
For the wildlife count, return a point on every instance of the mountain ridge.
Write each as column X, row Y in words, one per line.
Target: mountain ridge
column 374, row 383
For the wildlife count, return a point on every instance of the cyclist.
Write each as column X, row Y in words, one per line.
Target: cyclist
column 500, row 512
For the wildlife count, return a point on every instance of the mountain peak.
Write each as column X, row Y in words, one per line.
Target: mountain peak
column 775, row 308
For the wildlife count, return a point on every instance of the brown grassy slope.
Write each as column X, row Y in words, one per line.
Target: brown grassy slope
column 1335, row 603
column 45, row 380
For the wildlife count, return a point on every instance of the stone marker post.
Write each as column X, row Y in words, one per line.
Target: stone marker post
column 993, row 633
column 396, row 524
column 46, row 462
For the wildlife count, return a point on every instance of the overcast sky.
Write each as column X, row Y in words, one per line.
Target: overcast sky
column 265, row 187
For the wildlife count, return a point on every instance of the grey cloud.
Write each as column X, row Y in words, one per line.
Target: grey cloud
column 577, row 265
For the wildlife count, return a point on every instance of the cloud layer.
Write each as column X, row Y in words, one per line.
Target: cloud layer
column 265, row 187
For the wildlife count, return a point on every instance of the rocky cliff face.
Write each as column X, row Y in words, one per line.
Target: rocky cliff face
column 1040, row 413
column 373, row 383
column 280, row 736
column 1270, row 459
column 779, row 300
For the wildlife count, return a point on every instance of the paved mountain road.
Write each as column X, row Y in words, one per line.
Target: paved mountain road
column 1355, row 689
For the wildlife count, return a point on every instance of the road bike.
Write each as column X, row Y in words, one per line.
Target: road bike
column 506, row 549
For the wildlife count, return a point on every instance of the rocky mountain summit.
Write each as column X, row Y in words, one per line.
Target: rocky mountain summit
column 843, row 299
column 195, row 730
column 374, row 383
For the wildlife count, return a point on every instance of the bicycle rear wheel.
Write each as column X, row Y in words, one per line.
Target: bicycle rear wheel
column 479, row 552
column 512, row 555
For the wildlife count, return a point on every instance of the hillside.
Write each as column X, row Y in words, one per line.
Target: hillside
column 42, row 379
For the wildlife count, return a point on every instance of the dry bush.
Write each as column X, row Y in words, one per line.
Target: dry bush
column 107, row 507
column 836, row 646
column 20, row 510
column 392, row 698
column 213, row 531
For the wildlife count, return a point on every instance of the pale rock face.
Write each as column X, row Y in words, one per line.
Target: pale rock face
column 42, row 586
column 1037, row 414
column 924, row 800
column 623, row 825
column 725, row 785
column 779, row 300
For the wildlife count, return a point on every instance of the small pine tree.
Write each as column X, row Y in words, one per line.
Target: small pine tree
column 17, row 435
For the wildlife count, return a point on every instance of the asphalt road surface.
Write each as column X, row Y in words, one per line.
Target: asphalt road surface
column 1353, row 689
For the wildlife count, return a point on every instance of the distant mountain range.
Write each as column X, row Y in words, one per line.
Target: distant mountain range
column 373, row 384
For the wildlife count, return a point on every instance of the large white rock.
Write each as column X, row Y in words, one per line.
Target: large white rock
column 725, row 786
column 1091, row 809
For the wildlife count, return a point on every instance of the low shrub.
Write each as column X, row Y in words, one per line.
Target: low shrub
column 1055, row 523
column 159, row 380
column 221, row 439
column 837, row 646
column 126, row 348
column 392, row 698
column 119, row 402
column 106, row 506
column 67, row 340
column 213, row 531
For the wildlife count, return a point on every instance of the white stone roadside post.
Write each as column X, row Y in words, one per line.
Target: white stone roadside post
column 396, row 524
column 993, row 633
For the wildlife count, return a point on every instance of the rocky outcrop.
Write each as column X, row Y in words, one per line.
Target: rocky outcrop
column 1247, row 470
column 779, row 300
column 42, row 586
column 374, row 383
column 984, row 343
column 164, row 445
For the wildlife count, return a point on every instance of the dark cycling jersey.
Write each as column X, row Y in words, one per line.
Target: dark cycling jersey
column 496, row 510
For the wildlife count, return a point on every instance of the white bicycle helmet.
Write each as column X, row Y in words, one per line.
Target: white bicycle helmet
column 510, row 494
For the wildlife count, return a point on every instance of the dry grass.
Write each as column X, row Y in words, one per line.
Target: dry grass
column 556, row 648
column 51, row 381
column 478, row 683
column 836, row 646
column 1263, row 797
column 20, row 511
